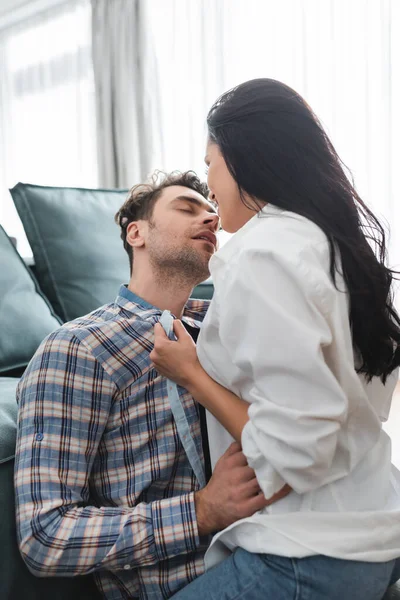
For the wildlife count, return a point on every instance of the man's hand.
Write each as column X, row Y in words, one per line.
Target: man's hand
column 231, row 494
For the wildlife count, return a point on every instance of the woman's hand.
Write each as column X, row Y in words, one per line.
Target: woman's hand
column 176, row 360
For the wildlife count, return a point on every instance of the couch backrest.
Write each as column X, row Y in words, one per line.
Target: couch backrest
column 25, row 317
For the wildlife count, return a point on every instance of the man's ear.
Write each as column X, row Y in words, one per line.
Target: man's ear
column 135, row 234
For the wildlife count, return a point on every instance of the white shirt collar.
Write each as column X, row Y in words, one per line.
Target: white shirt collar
column 224, row 254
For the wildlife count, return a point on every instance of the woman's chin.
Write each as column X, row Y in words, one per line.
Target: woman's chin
column 228, row 227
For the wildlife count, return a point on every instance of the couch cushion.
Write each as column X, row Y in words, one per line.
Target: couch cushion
column 79, row 258
column 25, row 315
column 204, row 291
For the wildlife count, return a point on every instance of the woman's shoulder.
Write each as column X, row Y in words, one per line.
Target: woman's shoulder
column 278, row 244
column 286, row 236
column 281, row 252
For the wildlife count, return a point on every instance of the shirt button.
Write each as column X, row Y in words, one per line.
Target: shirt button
column 39, row 437
column 127, row 567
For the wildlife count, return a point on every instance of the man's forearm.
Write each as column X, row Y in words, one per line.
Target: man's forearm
column 84, row 539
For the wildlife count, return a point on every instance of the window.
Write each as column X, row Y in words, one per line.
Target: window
column 47, row 108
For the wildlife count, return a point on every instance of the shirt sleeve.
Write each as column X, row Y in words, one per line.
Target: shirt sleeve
column 65, row 398
column 275, row 330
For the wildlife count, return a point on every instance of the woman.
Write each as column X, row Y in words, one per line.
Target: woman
column 297, row 358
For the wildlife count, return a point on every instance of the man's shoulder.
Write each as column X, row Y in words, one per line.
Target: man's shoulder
column 119, row 340
column 112, row 326
column 106, row 321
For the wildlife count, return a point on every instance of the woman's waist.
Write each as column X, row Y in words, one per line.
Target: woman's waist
column 324, row 521
column 372, row 485
column 370, row 536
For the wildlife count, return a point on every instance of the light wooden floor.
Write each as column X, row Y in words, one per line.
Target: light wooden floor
column 392, row 427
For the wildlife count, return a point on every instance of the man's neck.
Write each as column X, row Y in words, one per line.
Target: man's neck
column 166, row 293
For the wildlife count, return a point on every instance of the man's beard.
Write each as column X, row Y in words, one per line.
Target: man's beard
column 185, row 264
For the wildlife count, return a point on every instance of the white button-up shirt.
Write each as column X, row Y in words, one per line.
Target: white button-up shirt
column 278, row 335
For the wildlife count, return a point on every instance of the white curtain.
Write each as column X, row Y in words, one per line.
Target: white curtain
column 47, row 108
column 342, row 56
column 159, row 64
column 125, row 76
column 187, row 39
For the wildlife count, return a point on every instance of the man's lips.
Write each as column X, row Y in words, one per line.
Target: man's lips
column 207, row 236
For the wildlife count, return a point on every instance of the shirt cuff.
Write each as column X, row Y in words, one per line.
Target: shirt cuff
column 175, row 526
column 268, row 479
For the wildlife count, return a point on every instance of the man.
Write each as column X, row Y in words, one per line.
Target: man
column 106, row 473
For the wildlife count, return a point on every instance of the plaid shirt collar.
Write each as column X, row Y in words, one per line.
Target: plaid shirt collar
column 193, row 314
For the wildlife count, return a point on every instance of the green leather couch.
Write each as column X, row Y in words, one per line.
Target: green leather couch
column 79, row 263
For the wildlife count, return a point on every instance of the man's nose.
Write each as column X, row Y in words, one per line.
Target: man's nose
column 212, row 219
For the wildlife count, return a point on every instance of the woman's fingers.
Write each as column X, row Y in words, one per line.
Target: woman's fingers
column 159, row 331
column 234, row 448
column 180, row 330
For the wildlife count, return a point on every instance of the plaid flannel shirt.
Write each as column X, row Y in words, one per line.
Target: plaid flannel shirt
column 103, row 483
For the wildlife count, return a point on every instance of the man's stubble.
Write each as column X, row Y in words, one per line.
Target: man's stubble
column 184, row 265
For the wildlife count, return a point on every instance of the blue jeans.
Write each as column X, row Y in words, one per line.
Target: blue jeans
column 247, row 576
